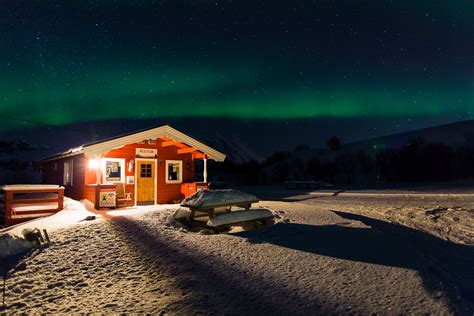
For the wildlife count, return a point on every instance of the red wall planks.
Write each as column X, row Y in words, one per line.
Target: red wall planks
column 83, row 176
column 166, row 192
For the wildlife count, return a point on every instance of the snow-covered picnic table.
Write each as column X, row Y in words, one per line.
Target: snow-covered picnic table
column 208, row 201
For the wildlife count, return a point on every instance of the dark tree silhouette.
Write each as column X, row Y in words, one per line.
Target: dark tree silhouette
column 314, row 168
column 347, row 164
column 365, row 162
column 301, row 147
column 334, row 143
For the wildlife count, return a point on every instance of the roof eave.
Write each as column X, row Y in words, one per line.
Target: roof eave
column 100, row 149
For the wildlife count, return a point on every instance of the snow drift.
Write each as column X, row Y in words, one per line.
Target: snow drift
column 12, row 241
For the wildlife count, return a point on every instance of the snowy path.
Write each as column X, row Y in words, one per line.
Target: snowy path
column 320, row 262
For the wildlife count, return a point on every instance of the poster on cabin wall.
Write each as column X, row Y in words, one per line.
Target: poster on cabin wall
column 113, row 170
column 107, row 199
column 146, row 152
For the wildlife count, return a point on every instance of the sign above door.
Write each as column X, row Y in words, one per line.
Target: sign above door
column 146, row 152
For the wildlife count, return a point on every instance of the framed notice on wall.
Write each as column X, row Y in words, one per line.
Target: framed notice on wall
column 130, row 179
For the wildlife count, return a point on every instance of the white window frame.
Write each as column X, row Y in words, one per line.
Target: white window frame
column 180, row 180
column 70, row 169
column 122, row 169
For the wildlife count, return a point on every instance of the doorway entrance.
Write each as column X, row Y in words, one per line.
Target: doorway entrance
column 146, row 181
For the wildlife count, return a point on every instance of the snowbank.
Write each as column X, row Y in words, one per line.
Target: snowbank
column 11, row 245
column 12, row 241
column 210, row 198
column 72, row 213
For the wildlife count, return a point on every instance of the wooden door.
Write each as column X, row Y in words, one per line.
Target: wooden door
column 146, row 181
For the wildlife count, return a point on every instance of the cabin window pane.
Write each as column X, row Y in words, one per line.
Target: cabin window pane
column 145, row 170
column 114, row 170
column 67, row 176
column 174, row 171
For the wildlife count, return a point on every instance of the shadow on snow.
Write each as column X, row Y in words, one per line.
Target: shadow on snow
column 217, row 286
column 385, row 244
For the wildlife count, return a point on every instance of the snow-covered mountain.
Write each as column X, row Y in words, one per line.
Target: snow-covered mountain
column 236, row 150
column 453, row 134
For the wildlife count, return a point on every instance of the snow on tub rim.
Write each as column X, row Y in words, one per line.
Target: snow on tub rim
column 32, row 187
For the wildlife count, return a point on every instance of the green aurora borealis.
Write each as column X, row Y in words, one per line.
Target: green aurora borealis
column 104, row 66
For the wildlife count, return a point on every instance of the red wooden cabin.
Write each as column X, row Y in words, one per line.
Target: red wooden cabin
column 154, row 166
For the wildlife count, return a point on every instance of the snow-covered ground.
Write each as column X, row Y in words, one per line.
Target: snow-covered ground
column 11, row 238
column 332, row 254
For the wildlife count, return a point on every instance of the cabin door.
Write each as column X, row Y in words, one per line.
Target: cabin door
column 146, row 173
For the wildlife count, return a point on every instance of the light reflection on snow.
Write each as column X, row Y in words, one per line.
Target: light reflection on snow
column 135, row 210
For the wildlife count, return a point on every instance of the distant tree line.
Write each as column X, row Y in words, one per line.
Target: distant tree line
column 415, row 161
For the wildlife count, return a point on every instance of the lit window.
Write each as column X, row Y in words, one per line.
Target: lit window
column 67, row 175
column 174, row 171
column 113, row 170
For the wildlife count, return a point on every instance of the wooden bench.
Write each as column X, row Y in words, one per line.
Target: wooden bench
column 210, row 209
column 18, row 209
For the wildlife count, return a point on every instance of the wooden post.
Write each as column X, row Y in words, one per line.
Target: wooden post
column 46, row 235
column 60, row 199
column 204, row 172
column 8, row 208
column 97, row 193
column 97, row 175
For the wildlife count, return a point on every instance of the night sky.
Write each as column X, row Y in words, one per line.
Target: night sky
column 64, row 62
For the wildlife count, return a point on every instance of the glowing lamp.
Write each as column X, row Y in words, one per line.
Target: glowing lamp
column 94, row 163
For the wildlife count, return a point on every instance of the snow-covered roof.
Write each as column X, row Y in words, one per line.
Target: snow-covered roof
column 103, row 147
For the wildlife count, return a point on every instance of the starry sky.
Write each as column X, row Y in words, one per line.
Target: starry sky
column 66, row 62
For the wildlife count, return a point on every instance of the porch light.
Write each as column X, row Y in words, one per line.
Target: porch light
column 94, row 163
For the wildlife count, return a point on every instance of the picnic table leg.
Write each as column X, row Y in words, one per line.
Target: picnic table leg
column 191, row 216
column 211, row 213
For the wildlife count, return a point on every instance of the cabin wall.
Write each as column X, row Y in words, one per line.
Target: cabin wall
column 52, row 172
column 166, row 193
